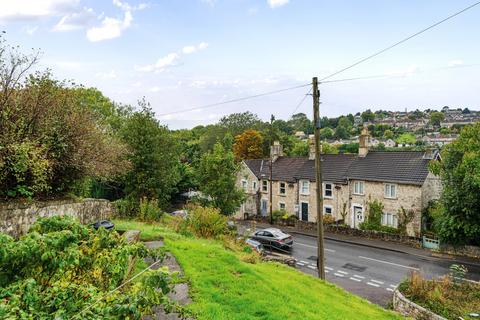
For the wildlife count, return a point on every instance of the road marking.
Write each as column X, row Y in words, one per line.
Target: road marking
column 376, row 281
column 390, row 289
column 356, row 279
column 304, row 262
column 393, row 286
column 361, row 277
column 391, row 263
column 312, row 267
column 373, row 284
column 340, row 271
column 328, row 268
column 314, row 247
column 326, row 271
column 300, row 264
column 339, row 274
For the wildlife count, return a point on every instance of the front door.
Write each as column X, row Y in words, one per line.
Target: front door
column 264, row 207
column 357, row 216
column 304, row 211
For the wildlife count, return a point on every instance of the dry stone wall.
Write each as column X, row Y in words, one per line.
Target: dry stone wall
column 16, row 218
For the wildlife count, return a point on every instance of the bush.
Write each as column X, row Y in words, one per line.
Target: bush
column 60, row 267
column 328, row 219
column 205, row 222
column 149, row 210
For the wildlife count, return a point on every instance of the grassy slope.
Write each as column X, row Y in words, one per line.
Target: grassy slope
column 225, row 287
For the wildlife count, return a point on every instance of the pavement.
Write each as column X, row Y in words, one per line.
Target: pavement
column 369, row 268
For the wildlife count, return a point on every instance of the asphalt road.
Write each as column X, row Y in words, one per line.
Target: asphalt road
column 368, row 272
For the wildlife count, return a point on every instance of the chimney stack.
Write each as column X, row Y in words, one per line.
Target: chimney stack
column 276, row 150
column 364, row 142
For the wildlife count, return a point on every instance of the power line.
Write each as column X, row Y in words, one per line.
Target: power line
column 301, row 101
column 400, row 42
column 234, row 100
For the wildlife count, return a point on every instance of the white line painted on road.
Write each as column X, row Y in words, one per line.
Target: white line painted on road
column 304, row 262
column 376, row 281
column 328, row 268
column 390, row 263
column 373, row 284
column 300, row 264
column 357, row 276
column 326, row 271
column 339, row 274
column 393, row 286
column 312, row 267
column 314, row 247
column 340, row 271
column 390, row 289
column 356, row 279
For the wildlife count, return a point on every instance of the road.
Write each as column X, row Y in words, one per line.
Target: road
column 368, row 272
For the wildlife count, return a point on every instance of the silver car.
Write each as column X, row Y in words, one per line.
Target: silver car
column 274, row 238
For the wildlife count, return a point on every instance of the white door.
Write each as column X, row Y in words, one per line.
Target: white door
column 357, row 216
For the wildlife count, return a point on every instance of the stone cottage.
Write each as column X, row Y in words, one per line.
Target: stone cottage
column 400, row 180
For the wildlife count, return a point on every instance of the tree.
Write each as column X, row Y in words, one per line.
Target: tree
column 300, row 149
column 368, row 116
column 236, row 123
column 154, row 158
column 388, row 134
column 326, row 133
column 217, row 178
column 342, row 133
column 406, row 138
column 436, row 118
column 300, row 122
column 248, row 145
column 459, row 169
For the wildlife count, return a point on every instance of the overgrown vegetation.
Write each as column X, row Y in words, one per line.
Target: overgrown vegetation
column 203, row 223
column 373, row 219
column 61, row 270
column 444, row 296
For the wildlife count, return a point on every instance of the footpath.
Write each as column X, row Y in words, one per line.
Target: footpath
column 372, row 243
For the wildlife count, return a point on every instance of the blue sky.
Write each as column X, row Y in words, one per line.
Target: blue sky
column 181, row 54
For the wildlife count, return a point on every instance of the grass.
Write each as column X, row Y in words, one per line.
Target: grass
column 222, row 286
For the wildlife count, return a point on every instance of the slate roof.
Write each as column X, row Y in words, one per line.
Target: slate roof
column 407, row 167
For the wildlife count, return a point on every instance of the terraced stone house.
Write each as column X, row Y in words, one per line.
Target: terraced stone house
column 400, row 180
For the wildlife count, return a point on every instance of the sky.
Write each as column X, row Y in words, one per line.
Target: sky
column 182, row 54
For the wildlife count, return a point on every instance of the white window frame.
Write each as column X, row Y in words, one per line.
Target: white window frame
column 264, row 186
column 284, row 188
column 325, row 190
column 359, row 184
column 390, row 220
column 280, row 206
column 245, row 185
column 307, row 182
column 389, row 194
column 325, row 207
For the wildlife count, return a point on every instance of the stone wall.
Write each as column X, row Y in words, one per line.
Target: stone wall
column 410, row 309
column 469, row 251
column 16, row 218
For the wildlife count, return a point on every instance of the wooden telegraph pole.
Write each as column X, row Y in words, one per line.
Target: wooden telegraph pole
column 318, row 179
column 272, row 118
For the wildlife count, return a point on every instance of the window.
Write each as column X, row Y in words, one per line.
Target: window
column 244, row 185
column 327, row 209
column 358, row 187
column 390, row 190
column 264, row 185
column 281, row 205
column 305, row 187
column 328, row 193
column 282, row 188
column 389, row 219
column 254, row 186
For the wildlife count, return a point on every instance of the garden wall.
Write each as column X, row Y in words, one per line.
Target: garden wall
column 410, row 309
column 16, row 218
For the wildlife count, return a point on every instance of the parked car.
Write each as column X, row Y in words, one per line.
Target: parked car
column 103, row 223
column 255, row 245
column 274, row 238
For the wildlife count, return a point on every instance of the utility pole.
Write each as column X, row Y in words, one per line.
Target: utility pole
column 318, row 179
column 272, row 118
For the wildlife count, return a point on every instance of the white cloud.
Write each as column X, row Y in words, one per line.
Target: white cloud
column 30, row 10
column 455, row 63
column 30, row 30
column 162, row 63
column 75, row 20
column 106, row 75
column 277, row 3
column 191, row 49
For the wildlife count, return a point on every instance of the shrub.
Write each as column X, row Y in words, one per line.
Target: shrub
column 149, row 210
column 61, row 267
column 328, row 219
column 205, row 222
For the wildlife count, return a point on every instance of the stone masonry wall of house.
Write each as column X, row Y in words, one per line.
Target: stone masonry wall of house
column 431, row 189
column 16, row 218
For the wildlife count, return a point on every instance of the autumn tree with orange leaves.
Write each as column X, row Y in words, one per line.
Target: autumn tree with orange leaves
column 248, row 145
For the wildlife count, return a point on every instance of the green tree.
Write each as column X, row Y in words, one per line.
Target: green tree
column 368, row 116
column 459, row 169
column 326, row 133
column 236, row 123
column 436, row 118
column 300, row 149
column 406, row 138
column 154, row 158
column 342, row 132
column 300, row 122
column 388, row 134
column 216, row 176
